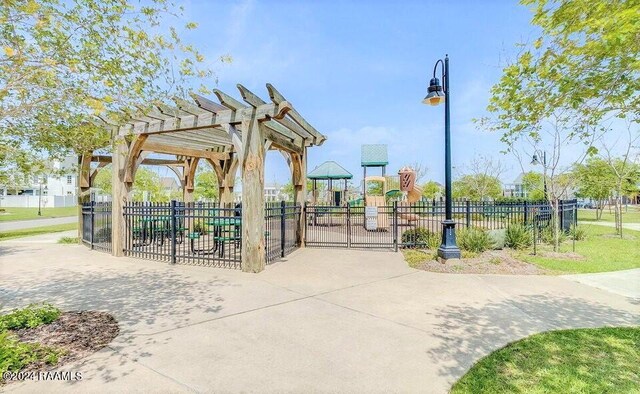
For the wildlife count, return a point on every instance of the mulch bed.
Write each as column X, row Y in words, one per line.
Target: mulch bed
column 489, row 262
column 79, row 334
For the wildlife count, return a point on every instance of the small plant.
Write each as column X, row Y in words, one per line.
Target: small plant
column 15, row 355
column 68, row 240
column 517, row 237
column 474, row 240
column 495, row 260
column 420, row 237
column 29, row 317
column 546, row 235
column 577, row 233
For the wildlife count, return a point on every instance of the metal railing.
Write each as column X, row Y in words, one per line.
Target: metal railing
column 208, row 234
column 96, row 225
column 346, row 226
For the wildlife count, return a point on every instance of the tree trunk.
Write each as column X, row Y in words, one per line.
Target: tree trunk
column 556, row 224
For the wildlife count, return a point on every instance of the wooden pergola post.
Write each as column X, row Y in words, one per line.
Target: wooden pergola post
column 188, row 187
column 120, row 194
column 84, row 188
column 299, row 180
column 253, row 248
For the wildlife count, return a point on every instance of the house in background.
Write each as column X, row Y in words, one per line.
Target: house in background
column 58, row 190
column 515, row 189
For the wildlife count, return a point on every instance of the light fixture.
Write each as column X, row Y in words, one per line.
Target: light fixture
column 534, row 160
column 435, row 95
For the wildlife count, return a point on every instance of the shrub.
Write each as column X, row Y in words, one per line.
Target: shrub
column 546, row 235
column 68, row 240
column 517, row 237
column 420, row 237
column 497, row 238
column 29, row 317
column 577, row 233
column 474, row 240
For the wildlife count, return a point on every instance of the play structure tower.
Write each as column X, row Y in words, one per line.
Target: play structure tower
column 375, row 156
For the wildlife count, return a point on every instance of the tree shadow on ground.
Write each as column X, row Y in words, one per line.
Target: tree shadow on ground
column 469, row 333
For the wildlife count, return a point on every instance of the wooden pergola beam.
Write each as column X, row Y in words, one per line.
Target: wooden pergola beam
column 102, row 159
column 175, row 150
column 249, row 97
column 228, row 101
column 277, row 98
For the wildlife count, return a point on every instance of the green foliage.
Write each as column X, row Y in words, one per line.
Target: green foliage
column 586, row 360
column 29, row 317
column 206, row 185
column 517, row 237
column 498, row 238
column 61, row 63
column 420, row 237
column 595, row 180
column 533, row 183
column 547, row 235
column 477, row 187
column 15, row 355
column 415, row 257
column 431, row 190
column 473, row 239
column 68, row 240
column 146, row 183
column 577, row 233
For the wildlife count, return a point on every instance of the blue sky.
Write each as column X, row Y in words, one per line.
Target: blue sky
column 358, row 70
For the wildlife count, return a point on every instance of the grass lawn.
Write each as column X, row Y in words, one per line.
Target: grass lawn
column 589, row 215
column 4, row 235
column 601, row 360
column 602, row 249
column 32, row 213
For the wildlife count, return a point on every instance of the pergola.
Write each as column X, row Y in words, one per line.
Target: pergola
column 229, row 135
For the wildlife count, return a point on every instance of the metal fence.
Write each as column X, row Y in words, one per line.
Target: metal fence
column 207, row 234
column 96, row 225
column 402, row 225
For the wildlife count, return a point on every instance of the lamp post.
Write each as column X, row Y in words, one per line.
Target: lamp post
column 437, row 94
column 535, row 162
column 40, row 199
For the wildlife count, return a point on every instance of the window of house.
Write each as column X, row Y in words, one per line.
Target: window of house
column 69, row 179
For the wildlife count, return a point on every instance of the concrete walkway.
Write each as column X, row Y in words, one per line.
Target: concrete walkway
column 323, row 321
column 628, row 226
column 24, row 224
column 626, row 283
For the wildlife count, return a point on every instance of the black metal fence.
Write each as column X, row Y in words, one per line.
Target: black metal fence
column 401, row 224
column 96, row 225
column 207, row 234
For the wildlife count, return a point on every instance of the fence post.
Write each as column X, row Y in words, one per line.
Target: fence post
column 349, row 226
column 395, row 225
column 92, row 214
column 173, row 231
column 468, row 212
column 282, row 226
column 526, row 212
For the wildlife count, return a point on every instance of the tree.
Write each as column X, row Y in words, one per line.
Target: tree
column 206, row 185
column 480, row 179
column 64, row 63
column 288, row 190
column 431, row 190
column 595, row 181
column 533, row 184
column 146, row 186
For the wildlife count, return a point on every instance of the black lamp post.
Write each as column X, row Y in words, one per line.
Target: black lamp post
column 535, row 162
column 437, row 94
column 40, row 200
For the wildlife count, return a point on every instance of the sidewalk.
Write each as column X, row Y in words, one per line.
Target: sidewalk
column 24, row 224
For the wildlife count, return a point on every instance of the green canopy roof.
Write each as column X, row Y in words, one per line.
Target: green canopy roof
column 374, row 155
column 329, row 170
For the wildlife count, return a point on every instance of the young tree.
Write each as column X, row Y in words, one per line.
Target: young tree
column 594, row 180
column 533, row 183
column 431, row 190
column 64, row 62
column 146, row 184
column 479, row 180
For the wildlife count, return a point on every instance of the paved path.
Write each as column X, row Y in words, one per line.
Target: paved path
column 626, row 283
column 23, row 224
column 323, row 321
column 628, row 226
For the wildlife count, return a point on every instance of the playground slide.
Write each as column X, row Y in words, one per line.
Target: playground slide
column 413, row 195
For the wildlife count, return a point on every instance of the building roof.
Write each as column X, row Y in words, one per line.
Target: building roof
column 329, row 170
column 374, row 155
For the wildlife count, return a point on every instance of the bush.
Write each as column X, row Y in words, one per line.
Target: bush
column 517, row 237
column 420, row 237
column 497, row 238
column 29, row 317
column 474, row 240
column 577, row 233
column 68, row 240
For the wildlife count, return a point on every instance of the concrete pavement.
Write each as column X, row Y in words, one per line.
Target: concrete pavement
column 24, row 224
column 626, row 283
column 628, row 226
column 322, row 321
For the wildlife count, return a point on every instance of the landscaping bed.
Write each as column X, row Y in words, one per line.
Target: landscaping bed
column 41, row 337
column 489, row 262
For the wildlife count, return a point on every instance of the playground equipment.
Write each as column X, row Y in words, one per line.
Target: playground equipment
column 376, row 200
column 414, row 193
